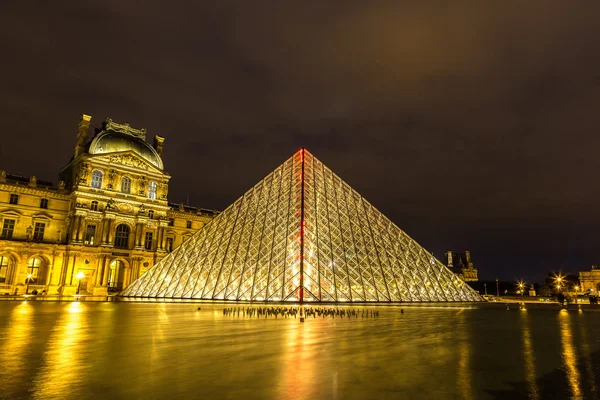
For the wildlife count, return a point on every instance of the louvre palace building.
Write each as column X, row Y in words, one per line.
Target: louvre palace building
column 106, row 222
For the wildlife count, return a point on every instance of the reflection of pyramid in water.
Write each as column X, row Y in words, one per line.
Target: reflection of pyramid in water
column 301, row 234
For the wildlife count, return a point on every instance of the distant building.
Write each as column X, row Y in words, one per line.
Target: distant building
column 461, row 265
column 590, row 280
column 105, row 223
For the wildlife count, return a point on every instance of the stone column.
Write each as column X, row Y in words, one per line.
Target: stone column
column 72, row 270
column 64, row 268
column 111, row 231
column 80, row 235
column 163, row 238
column 99, row 233
column 74, row 228
column 159, row 235
column 106, row 271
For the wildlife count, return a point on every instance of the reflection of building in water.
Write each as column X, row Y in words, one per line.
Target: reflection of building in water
column 107, row 220
column 461, row 265
column 590, row 280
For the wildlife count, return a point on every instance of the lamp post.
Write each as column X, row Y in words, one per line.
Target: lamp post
column 80, row 276
column 521, row 288
column 497, row 289
column 28, row 279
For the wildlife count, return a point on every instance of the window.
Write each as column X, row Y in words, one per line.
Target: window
column 115, row 275
column 8, row 228
column 3, row 269
column 171, row 222
column 188, row 224
column 33, row 270
column 148, row 241
column 44, row 203
column 151, row 214
column 169, row 244
column 14, row 199
column 152, row 190
column 97, row 179
column 126, row 185
column 122, row 236
column 38, row 232
column 90, row 234
column 94, row 206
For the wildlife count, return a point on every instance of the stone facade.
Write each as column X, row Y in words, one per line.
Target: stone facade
column 590, row 280
column 105, row 223
column 461, row 265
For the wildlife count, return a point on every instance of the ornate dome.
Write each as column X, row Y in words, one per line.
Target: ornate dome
column 111, row 141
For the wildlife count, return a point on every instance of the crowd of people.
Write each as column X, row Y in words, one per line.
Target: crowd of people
column 302, row 312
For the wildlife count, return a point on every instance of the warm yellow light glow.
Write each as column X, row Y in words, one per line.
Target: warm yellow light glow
column 29, row 276
column 569, row 354
column 80, row 275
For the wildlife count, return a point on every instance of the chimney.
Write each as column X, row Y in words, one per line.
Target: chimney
column 158, row 144
column 82, row 135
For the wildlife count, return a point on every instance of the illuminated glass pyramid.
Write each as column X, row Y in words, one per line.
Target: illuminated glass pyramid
column 301, row 234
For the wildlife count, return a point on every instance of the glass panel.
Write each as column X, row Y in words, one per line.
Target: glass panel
column 301, row 234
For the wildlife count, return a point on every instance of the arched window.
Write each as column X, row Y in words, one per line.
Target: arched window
column 152, row 190
column 3, row 268
column 126, row 185
column 115, row 276
column 97, row 179
column 122, row 236
column 33, row 270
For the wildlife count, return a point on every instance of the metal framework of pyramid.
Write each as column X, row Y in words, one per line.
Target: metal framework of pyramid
column 301, row 234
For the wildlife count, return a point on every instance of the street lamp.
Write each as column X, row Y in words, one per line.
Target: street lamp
column 80, row 276
column 497, row 289
column 28, row 279
column 521, row 288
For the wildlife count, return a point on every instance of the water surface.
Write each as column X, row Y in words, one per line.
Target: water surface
column 93, row 350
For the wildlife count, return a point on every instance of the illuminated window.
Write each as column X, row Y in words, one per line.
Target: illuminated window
column 90, row 234
column 115, row 275
column 152, row 190
column 150, row 214
column 38, row 233
column 169, row 244
column 3, row 269
column 8, row 228
column 94, row 206
column 33, row 270
column 122, row 236
column 44, row 203
column 188, row 224
column 97, row 179
column 126, row 185
column 14, row 199
column 148, row 241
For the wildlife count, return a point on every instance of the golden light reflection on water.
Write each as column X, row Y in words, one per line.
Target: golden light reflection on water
column 299, row 373
column 464, row 372
column 529, row 357
column 63, row 364
column 18, row 338
column 587, row 358
column 569, row 355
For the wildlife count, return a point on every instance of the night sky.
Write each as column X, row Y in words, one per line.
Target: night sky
column 471, row 126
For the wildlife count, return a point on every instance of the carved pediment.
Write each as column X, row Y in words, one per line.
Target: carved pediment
column 11, row 212
column 42, row 215
column 128, row 158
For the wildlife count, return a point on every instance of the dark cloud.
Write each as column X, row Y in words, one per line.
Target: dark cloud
column 471, row 124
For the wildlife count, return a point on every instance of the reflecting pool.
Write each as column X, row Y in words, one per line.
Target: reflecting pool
column 114, row 350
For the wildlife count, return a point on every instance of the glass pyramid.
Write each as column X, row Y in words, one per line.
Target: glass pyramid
column 303, row 235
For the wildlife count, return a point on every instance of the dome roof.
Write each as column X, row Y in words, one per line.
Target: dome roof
column 115, row 142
